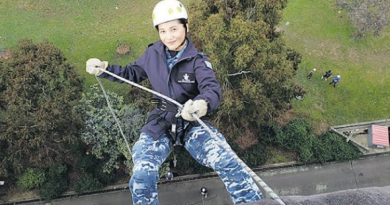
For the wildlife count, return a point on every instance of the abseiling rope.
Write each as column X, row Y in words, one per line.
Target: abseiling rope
column 249, row 170
column 113, row 114
column 224, row 144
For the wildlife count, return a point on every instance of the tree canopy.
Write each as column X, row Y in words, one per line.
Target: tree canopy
column 37, row 89
column 252, row 63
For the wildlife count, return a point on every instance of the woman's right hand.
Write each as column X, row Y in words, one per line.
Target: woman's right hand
column 95, row 66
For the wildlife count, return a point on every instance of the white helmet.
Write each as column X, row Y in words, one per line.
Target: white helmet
column 168, row 10
column 338, row 76
column 314, row 69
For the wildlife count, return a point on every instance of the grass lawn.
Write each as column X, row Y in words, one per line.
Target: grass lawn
column 318, row 32
column 82, row 29
column 85, row 29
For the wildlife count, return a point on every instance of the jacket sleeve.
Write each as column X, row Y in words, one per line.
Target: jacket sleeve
column 134, row 72
column 208, row 86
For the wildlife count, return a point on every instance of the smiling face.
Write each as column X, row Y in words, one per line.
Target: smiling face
column 172, row 34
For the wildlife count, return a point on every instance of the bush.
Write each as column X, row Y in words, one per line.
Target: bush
column 322, row 151
column 5, row 167
column 305, row 154
column 53, row 189
column 37, row 91
column 270, row 133
column 330, row 146
column 57, row 171
column 86, row 164
column 86, row 183
column 102, row 176
column 297, row 136
column 101, row 131
column 32, row 178
column 56, row 182
column 254, row 156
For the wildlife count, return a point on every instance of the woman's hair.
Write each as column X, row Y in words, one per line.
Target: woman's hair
column 182, row 21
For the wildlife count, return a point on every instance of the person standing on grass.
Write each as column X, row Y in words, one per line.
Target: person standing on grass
column 327, row 75
column 335, row 80
column 311, row 74
column 175, row 68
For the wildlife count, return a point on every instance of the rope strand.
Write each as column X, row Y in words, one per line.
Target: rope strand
column 113, row 114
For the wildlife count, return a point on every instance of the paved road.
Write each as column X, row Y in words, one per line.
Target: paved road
column 300, row 180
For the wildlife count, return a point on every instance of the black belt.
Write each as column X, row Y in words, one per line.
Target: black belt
column 177, row 123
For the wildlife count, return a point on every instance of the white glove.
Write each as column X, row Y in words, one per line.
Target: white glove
column 199, row 107
column 93, row 65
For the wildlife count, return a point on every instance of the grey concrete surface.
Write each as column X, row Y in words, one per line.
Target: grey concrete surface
column 364, row 196
column 299, row 181
column 316, row 179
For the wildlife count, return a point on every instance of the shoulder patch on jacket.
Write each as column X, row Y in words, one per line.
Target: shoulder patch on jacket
column 201, row 54
column 208, row 64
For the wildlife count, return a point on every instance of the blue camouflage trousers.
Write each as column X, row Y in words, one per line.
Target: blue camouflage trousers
column 149, row 154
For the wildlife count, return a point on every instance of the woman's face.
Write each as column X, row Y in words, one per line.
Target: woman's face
column 172, row 34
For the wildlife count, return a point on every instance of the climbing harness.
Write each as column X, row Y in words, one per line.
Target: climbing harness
column 224, row 144
column 176, row 122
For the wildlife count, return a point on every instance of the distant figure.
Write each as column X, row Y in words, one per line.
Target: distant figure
column 311, row 73
column 327, row 75
column 335, row 80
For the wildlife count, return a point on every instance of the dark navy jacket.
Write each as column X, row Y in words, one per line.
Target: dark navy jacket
column 191, row 78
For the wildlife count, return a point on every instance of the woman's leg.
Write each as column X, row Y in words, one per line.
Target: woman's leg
column 148, row 155
column 208, row 152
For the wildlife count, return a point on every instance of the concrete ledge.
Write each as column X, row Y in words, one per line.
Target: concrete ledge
column 198, row 178
column 120, row 187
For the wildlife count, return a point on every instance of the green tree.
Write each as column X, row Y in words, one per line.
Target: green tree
column 38, row 88
column 101, row 132
column 253, row 66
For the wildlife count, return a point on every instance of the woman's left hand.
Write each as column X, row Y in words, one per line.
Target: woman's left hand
column 198, row 107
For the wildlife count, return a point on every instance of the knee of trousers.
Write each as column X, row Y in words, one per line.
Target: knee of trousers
column 144, row 172
column 143, row 180
column 226, row 163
